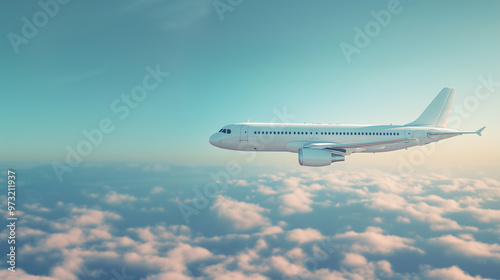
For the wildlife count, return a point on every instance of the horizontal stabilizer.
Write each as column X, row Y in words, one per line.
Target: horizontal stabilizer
column 478, row 132
column 454, row 133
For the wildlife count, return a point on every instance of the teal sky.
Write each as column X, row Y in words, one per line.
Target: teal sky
column 264, row 55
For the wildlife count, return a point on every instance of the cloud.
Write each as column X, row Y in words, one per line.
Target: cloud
column 30, row 232
column 385, row 267
column 450, row 273
column 87, row 217
column 296, row 254
column 387, row 201
column 63, row 240
column 421, row 211
column 116, row 198
column 448, row 204
column 471, row 248
column 353, row 260
column 21, row 274
column 304, row 235
column 373, row 241
column 157, row 189
column 36, row 207
column 484, row 215
column 403, row 220
column 270, row 230
column 296, row 202
column 243, row 215
column 220, row 272
column 171, row 266
column 89, row 235
column 247, row 261
column 286, row 267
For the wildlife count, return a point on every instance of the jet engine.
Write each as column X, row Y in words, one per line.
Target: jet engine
column 317, row 157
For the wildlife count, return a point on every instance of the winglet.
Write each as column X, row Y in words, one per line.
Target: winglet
column 478, row 132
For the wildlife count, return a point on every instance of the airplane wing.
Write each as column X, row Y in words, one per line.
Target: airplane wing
column 337, row 146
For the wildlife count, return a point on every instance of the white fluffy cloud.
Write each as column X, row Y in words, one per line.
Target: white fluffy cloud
column 468, row 247
column 374, row 241
column 354, row 260
column 448, row 273
column 304, row 235
column 297, row 201
column 115, row 198
column 243, row 215
column 85, row 217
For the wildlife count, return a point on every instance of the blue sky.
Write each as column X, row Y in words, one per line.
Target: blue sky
column 154, row 200
column 263, row 55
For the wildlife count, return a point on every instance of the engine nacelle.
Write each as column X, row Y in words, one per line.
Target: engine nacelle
column 317, row 157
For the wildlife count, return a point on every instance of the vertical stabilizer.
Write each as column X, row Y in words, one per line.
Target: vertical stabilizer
column 437, row 113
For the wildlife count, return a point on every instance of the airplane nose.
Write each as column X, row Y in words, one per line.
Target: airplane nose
column 212, row 139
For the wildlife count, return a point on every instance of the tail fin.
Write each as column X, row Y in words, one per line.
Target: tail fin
column 436, row 114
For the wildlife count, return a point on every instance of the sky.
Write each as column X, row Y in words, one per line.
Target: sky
column 147, row 82
column 256, row 59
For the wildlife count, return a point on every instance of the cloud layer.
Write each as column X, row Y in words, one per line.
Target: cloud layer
column 308, row 224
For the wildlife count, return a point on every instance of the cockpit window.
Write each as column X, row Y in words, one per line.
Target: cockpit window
column 223, row 131
column 228, row 131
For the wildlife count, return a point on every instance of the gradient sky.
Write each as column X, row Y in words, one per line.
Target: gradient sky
column 264, row 55
column 435, row 209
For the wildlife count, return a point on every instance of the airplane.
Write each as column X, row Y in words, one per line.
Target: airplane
column 323, row 144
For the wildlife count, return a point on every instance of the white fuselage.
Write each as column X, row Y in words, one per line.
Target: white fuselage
column 291, row 137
